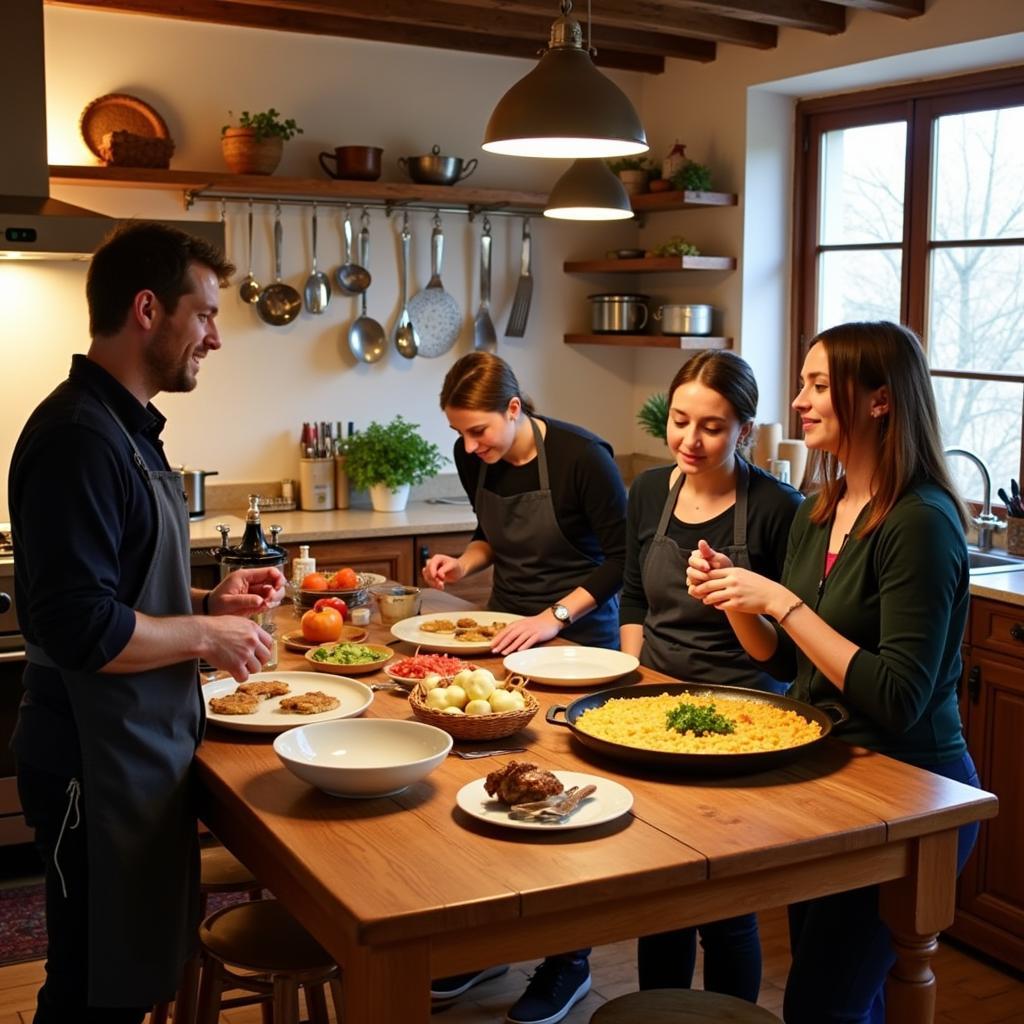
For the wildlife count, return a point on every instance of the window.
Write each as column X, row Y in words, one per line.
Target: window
column 911, row 208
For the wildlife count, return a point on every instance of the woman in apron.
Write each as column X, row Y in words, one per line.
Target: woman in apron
column 550, row 508
column 710, row 492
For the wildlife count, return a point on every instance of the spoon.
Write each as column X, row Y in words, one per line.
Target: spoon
column 351, row 277
column 485, row 338
column 318, row 289
column 405, row 337
column 249, row 289
column 366, row 337
column 279, row 303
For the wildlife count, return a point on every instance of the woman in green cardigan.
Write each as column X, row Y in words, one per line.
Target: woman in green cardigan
column 869, row 613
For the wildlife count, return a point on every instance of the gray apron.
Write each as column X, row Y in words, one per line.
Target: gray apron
column 535, row 566
column 138, row 735
column 682, row 637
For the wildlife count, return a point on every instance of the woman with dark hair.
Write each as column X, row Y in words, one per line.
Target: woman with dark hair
column 551, row 514
column 710, row 493
column 870, row 613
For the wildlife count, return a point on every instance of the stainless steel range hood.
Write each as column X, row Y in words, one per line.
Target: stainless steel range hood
column 32, row 225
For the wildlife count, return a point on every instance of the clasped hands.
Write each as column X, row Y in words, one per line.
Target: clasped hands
column 712, row 579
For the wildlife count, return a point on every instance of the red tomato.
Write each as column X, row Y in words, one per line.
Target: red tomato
column 332, row 602
column 321, row 625
column 314, row 581
column 343, row 579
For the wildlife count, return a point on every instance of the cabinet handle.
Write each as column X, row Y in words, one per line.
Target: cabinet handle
column 5, row 603
column 424, row 555
column 1017, row 632
column 974, row 684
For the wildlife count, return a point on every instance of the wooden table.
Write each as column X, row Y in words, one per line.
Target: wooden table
column 407, row 888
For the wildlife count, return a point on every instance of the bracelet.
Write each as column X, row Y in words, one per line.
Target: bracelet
column 206, row 603
column 789, row 611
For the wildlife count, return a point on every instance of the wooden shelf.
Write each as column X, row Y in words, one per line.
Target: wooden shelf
column 273, row 186
column 650, row 265
column 673, row 341
column 655, row 202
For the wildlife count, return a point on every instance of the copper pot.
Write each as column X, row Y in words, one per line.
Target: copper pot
column 353, row 163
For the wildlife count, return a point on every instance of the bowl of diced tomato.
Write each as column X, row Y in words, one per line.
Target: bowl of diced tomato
column 346, row 583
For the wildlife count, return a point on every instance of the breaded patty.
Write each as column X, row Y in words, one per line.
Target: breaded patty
column 235, row 704
column 265, row 689
column 311, row 703
column 438, row 626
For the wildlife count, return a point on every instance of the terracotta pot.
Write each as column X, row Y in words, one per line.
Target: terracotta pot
column 245, row 154
column 634, row 182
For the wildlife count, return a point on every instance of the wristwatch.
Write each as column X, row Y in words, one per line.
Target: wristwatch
column 561, row 613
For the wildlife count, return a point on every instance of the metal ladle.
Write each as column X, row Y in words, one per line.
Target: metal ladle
column 317, row 292
column 366, row 338
column 249, row 289
column 279, row 303
column 405, row 337
column 351, row 277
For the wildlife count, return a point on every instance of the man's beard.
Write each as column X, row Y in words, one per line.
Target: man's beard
column 169, row 370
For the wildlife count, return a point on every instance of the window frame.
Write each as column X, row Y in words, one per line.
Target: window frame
column 918, row 104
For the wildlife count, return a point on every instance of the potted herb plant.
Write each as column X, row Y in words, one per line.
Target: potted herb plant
column 255, row 144
column 653, row 416
column 633, row 172
column 387, row 459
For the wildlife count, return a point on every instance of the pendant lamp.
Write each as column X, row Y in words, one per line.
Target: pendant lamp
column 565, row 107
column 588, row 191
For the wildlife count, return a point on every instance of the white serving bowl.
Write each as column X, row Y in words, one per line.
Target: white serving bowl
column 363, row 757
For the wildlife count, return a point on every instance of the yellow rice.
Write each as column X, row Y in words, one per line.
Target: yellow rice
column 640, row 722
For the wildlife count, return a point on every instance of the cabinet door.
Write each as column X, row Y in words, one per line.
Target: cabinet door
column 998, row 627
column 390, row 556
column 991, row 898
column 477, row 588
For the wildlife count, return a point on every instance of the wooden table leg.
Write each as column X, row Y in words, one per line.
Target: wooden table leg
column 387, row 986
column 916, row 908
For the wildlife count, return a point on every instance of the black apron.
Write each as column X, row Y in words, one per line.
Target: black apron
column 535, row 566
column 138, row 735
column 683, row 637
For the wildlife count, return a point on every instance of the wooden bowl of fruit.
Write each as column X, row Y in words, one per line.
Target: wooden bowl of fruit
column 473, row 705
column 345, row 584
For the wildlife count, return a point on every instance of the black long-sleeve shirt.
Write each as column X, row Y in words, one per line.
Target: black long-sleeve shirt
column 586, row 490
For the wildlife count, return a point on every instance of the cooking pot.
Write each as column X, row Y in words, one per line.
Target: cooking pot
column 685, row 318
column 194, row 483
column 617, row 313
column 434, row 169
column 828, row 716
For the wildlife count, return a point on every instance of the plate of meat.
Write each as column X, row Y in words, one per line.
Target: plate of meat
column 522, row 795
column 458, row 633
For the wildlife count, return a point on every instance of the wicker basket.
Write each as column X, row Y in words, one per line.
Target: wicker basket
column 474, row 727
column 126, row 149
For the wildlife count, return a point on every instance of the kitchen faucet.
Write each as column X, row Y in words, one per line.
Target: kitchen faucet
column 986, row 522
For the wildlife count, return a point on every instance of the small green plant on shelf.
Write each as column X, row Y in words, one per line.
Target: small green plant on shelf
column 653, row 416
column 676, row 246
column 392, row 454
column 630, row 163
column 265, row 125
column 694, row 177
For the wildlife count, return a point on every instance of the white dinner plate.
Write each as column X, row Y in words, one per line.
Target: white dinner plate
column 355, row 698
column 609, row 801
column 571, row 666
column 410, row 631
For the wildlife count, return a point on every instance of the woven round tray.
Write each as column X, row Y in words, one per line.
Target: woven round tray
column 474, row 727
column 118, row 111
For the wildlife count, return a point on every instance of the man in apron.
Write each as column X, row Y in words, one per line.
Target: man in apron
column 112, row 712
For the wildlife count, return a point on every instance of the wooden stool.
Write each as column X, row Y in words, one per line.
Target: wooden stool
column 220, row 872
column 263, row 938
column 681, row 1006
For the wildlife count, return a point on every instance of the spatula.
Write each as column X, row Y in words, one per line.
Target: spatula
column 516, row 326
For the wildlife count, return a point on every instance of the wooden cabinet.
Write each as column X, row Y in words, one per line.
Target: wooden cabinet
column 990, row 900
column 477, row 588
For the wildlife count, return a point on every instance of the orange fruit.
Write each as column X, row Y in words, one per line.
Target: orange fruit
column 321, row 626
column 314, row 581
column 343, row 579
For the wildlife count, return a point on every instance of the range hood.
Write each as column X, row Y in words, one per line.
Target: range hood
column 33, row 225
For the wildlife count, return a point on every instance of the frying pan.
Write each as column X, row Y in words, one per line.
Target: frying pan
column 710, row 764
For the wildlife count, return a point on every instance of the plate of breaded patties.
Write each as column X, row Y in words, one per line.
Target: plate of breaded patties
column 274, row 701
column 456, row 632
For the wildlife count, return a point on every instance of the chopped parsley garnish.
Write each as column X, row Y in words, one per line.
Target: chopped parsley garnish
column 698, row 719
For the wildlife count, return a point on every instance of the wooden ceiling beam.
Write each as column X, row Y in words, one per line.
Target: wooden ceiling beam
column 288, row 19
column 811, row 15
column 897, row 8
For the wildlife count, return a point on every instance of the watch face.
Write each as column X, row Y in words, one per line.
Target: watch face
column 561, row 612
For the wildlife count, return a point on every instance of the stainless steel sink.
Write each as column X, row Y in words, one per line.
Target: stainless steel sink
column 985, row 562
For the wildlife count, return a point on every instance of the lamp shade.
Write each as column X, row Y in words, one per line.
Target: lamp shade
column 588, row 191
column 565, row 107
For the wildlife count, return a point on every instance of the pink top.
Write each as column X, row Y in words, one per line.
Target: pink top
column 830, row 560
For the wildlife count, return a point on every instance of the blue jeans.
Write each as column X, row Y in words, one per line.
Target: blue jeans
column 842, row 951
column 732, row 957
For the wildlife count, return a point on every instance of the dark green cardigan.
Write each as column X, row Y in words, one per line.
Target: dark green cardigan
column 901, row 595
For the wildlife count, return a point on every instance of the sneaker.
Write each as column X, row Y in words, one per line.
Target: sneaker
column 443, row 989
column 555, row 988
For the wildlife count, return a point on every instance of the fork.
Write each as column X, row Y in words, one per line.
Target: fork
column 472, row 755
column 516, row 326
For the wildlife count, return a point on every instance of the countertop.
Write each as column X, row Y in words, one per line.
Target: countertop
column 1000, row 586
column 419, row 517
